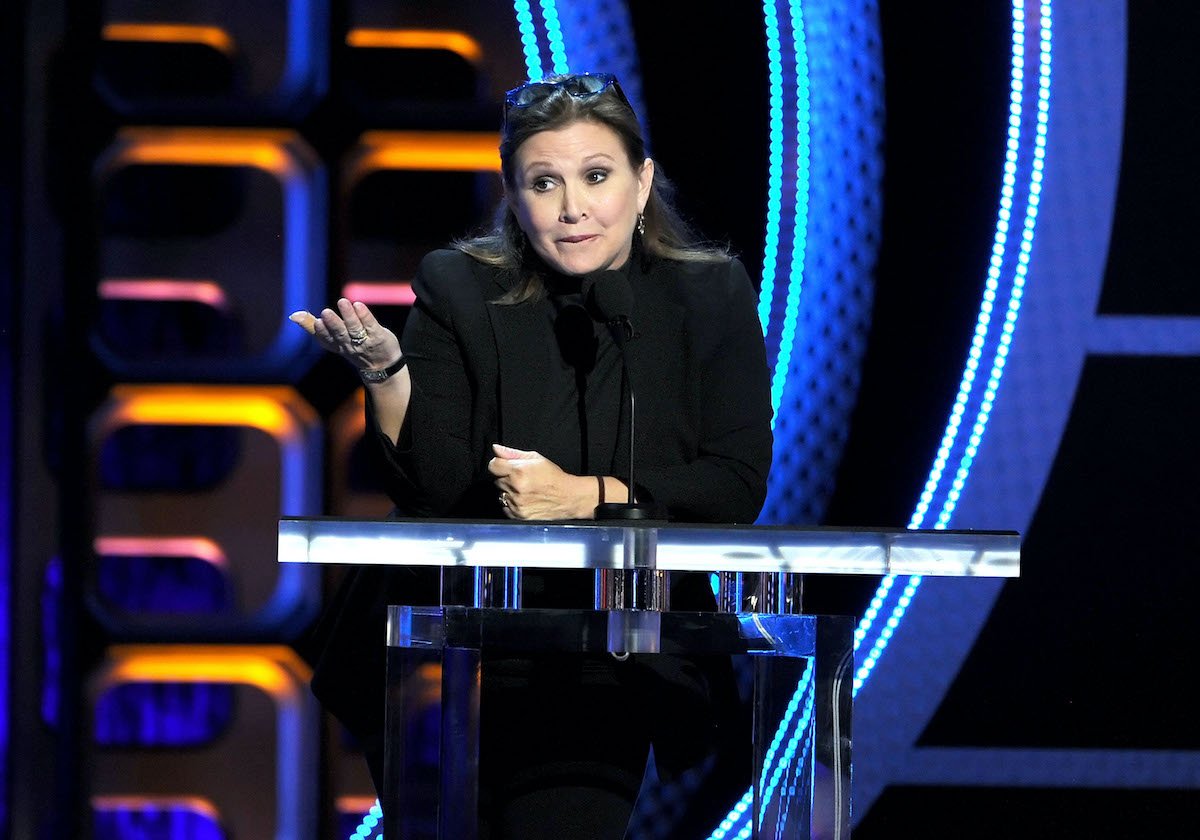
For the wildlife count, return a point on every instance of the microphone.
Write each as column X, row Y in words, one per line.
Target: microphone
column 608, row 297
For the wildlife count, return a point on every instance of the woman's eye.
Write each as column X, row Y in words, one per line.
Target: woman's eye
column 596, row 176
column 542, row 184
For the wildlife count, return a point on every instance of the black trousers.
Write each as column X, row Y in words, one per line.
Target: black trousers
column 563, row 748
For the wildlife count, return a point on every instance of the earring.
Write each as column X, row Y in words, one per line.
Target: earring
column 641, row 225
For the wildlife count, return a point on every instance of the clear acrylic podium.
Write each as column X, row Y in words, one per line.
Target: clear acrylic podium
column 802, row 664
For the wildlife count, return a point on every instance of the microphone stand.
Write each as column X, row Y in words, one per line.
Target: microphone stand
column 638, row 592
column 622, row 330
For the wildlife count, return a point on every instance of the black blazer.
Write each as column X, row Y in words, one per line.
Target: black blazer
column 697, row 367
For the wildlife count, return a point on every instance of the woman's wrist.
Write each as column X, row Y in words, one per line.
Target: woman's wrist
column 597, row 493
column 374, row 376
column 608, row 489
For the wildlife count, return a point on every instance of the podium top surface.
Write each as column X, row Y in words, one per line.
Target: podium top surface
column 665, row 546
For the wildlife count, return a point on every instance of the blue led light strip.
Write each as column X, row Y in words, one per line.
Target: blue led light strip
column 1025, row 249
column 766, row 292
column 554, row 35
column 789, row 758
column 738, row 819
column 372, row 819
column 529, row 40
column 787, row 332
column 1030, row 137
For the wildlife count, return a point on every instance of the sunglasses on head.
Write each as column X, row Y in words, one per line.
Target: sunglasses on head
column 580, row 86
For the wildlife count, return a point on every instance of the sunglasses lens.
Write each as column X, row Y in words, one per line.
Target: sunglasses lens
column 586, row 85
column 576, row 86
column 529, row 94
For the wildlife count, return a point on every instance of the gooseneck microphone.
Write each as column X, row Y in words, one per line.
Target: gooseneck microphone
column 608, row 297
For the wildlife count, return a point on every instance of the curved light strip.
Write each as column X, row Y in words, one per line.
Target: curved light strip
column 738, row 818
column 803, row 694
column 529, row 41
column 373, row 818
column 738, row 823
column 1026, row 246
column 554, row 35
column 787, row 334
column 529, row 38
column 825, row 166
column 774, row 167
column 1016, row 143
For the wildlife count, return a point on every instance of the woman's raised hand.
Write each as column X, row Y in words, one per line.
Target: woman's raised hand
column 353, row 333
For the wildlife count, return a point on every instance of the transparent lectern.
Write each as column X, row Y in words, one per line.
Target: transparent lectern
column 802, row 665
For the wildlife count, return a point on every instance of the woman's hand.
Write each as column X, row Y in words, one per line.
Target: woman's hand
column 534, row 487
column 353, row 333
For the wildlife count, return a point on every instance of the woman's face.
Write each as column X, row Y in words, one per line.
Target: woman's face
column 577, row 198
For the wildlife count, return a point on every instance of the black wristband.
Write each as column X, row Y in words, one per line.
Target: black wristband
column 600, row 481
column 371, row 377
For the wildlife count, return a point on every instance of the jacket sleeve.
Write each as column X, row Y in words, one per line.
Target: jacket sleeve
column 726, row 478
column 432, row 470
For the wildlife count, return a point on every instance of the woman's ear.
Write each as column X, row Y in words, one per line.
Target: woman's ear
column 645, row 182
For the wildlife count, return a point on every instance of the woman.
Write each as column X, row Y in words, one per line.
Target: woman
column 507, row 397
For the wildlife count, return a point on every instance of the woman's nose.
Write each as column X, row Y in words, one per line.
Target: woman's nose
column 572, row 206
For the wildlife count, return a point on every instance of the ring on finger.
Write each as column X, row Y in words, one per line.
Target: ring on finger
column 357, row 338
column 504, row 499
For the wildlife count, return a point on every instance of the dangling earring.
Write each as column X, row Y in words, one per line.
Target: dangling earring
column 641, row 225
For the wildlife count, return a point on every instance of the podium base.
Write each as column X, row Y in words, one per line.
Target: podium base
column 800, row 705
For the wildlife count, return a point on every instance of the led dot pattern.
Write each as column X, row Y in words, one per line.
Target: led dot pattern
column 823, row 218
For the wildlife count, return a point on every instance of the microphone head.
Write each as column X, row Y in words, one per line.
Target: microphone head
column 608, row 295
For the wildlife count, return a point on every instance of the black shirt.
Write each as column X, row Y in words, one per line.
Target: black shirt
column 585, row 392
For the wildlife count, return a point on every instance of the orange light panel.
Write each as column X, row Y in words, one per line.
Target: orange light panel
column 205, row 147
column 170, row 33
column 416, row 39
column 271, row 409
column 465, row 151
column 274, row 669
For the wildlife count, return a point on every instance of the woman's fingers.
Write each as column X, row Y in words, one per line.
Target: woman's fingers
column 305, row 319
column 328, row 328
column 364, row 315
column 362, row 330
column 352, row 332
column 512, row 463
column 511, row 454
column 349, row 320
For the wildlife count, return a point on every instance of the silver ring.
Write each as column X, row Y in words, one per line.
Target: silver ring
column 504, row 500
column 357, row 338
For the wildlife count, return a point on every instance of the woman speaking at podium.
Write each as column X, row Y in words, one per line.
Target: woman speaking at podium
column 509, row 396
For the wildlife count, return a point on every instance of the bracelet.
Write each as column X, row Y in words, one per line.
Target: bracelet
column 600, row 481
column 372, row 377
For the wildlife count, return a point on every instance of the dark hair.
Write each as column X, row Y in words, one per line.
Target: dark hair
column 505, row 246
